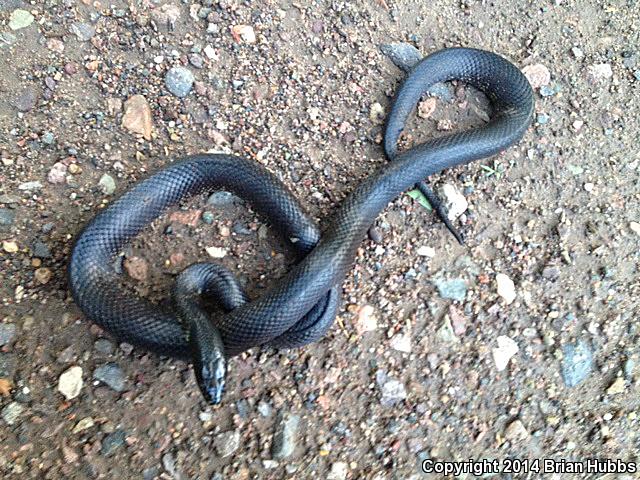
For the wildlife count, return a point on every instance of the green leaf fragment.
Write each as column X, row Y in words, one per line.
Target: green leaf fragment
column 419, row 197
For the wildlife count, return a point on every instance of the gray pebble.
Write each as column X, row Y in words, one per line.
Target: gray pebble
column 285, row 436
column 7, row 217
column 12, row 412
column 112, row 375
column 112, row 442
column 7, row 333
column 454, row 289
column 179, row 81
column 221, row 199
column 226, row 443
column 403, row 55
column 241, row 229
column 48, row 138
column 27, row 99
column 103, row 345
column 207, row 217
column 577, row 363
column 392, row 390
column 264, row 409
column 107, row 184
column 375, row 235
column 196, row 60
column 41, row 250
column 83, row 31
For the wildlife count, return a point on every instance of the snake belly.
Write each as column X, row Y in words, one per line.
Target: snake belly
column 327, row 257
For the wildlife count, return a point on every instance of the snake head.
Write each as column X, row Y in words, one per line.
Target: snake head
column 210, row 374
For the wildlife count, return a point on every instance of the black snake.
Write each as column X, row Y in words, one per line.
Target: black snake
column 301, row 306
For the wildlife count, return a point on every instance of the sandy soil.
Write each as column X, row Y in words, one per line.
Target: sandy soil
column 426, row 359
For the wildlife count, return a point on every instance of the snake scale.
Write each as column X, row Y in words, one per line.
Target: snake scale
column 301, row 306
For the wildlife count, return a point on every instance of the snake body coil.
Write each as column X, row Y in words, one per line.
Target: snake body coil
column 300, row 306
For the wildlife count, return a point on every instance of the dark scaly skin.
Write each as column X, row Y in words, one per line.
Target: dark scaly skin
column 308, row 294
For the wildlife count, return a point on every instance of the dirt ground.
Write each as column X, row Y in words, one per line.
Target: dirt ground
column 428, row 358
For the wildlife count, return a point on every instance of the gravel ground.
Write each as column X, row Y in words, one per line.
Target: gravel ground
column 523, row 343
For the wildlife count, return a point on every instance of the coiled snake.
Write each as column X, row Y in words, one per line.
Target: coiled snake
column 301, row 306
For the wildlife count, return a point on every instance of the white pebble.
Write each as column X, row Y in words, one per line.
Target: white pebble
column 401, row 343
column 216, row 252
column 454, row 201
column 70, row 382
column 506, row 349
column 506, row 288
column 425, row 251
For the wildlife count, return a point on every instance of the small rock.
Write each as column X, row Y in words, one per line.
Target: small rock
column 216, row 252
column 169, row 464
column 210, row 53
column 538, row 75
column 376, row 113
column 12, row 412
column 446, row 333
column 285, row 435
column 577, row 53
column 222, row 199
column 207, row 217
column 7, row 217
column 112, row 442
column 40, row 249
column 179, row 81
column 401, row 343
column 10, row 246
column 42, row 275
column 196, row 60
column 425, row 251
column 55, row 45
column 366, row 319
column 20, row 19
column 8, row 364
column 338, row 471
column 505, row 350
column 136, row 268
column 618, row 386
column 58, row 173
column 264, row 409
column 227, row 443
column 111, row 375
column 458, row 321
column 506, row 288
column 166, row 15
column 83, row 31
column 26, row 100
column 107, row 184
column 403, row 55
column 104, row 346
column 427, row 107
column 454, row 289
column 577, row 363
column 635, row 227
column 392, row 390
column 599, row 72
column 186, row 217
column 137, row 116
column 453, row 200
column 516, row 431
column 70, row 382
column 375, row 235
column 243, row 32
column 48, row 138
column 7, row 333
column 83, row 424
